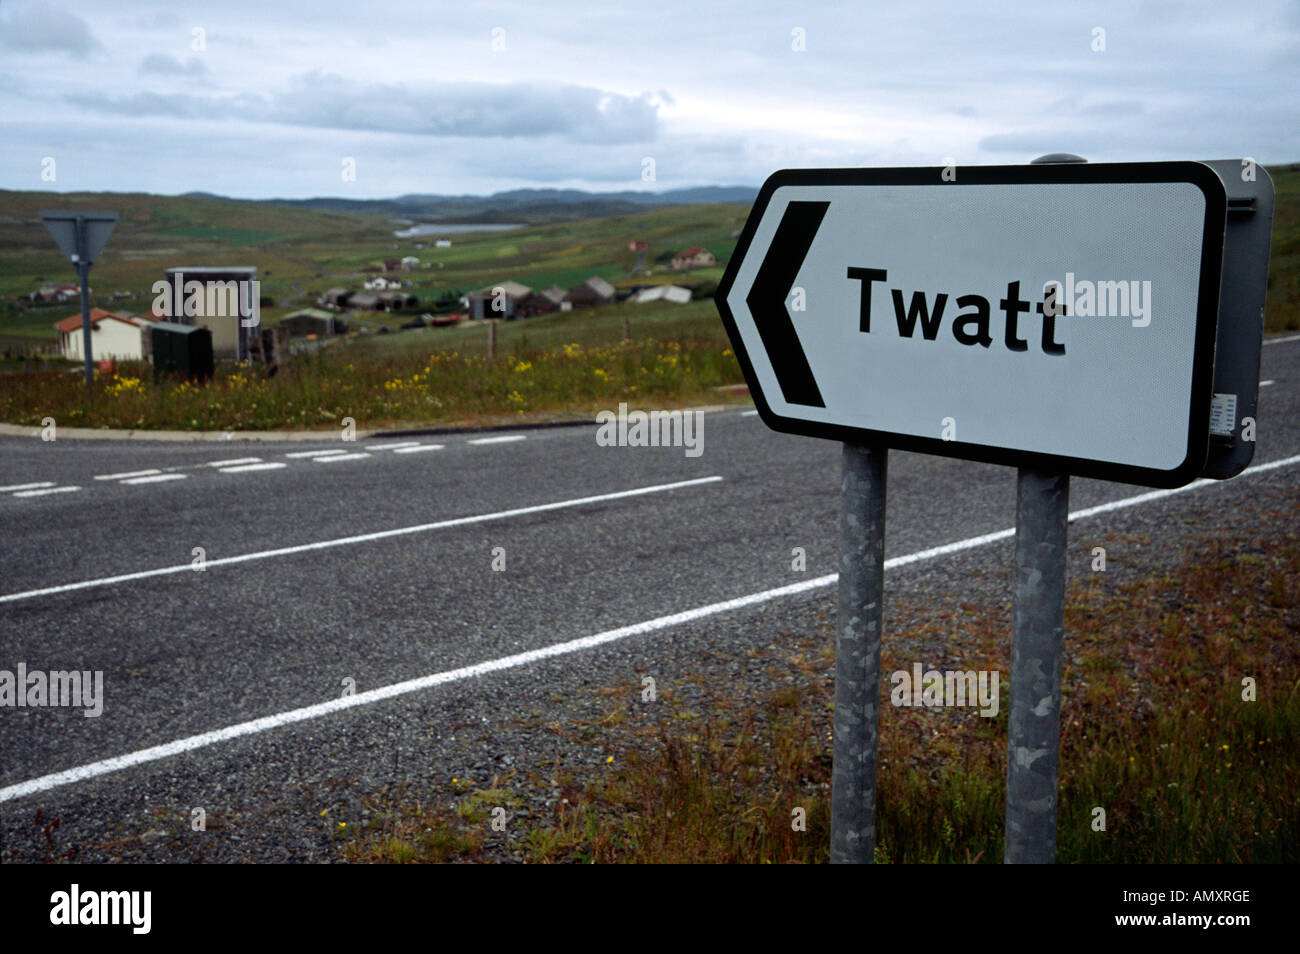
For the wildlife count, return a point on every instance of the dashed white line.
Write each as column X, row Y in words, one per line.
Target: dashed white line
column 190, row 743
column 155, row 479
column 245, row 468
column 334, row 457
column 498, row 440
column 1269, row 341
column 375, row 447
column 43, row 483
column 129, row 473
column 749, row 414
column 317, row 453
column 419, row 450
column 234, row 463
column 364, row 538
column 42, row 493
column 1264, row 384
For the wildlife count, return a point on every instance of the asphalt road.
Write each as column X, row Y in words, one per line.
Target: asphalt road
column 98, row 538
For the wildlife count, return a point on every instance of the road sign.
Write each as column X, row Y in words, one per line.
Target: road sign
column 81, row 236
column 97, row 227
column 1056, row 316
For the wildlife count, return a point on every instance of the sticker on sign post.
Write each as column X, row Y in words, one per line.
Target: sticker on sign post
column 1053, row 316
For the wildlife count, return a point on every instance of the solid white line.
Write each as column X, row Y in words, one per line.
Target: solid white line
column 363, row 538
column 129, row 473
column 1269, row 341
column 190, row 743
column 1264, row 384
column 375, row 447
column 498, row 440
column 42, row 493
column 234, row 463
column 419, row 450
column 245, row 468
column 322, row 453
column 43, row 483
column 334, row 457
column 155, row 479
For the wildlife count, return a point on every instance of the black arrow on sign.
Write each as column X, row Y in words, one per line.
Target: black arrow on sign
column 766, row 301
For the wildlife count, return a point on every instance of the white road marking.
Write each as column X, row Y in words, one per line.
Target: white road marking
column 322, row 453
column 245, row 468
column 1264, row 384
column 1269, row 341
column 419, row 450
column 749, row 414
column 129, row 473
column 234, row 463
column 43, row 483
column 334, row 457
column 155, row 479
column 374, row 447
column 498, row 440
column 363, row 538
column 42, row 493
column 188, row 744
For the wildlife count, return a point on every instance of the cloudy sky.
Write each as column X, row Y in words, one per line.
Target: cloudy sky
column 266, row 98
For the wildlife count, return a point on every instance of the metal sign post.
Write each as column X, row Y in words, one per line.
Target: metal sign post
column 81, row 236
column 857, row 654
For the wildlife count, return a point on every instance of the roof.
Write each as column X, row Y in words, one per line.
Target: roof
column 363, row 300
column 692, row 252
column 73, row 322
column 600, row 286
column 319, row 313
column 513, row 289
column 555, row 293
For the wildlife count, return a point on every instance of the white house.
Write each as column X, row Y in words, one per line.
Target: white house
column 114, row 337
column 442, row 243
column 380, row 283
column 673, row 293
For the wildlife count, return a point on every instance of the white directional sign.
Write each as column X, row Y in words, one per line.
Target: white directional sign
column 1057, row 316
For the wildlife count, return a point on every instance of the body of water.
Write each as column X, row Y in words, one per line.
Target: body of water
column 436, row 229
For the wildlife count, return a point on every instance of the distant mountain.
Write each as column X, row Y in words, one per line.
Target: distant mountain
column 518, row 205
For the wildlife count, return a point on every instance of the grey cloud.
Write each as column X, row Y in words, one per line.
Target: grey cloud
column 572, row 113
column 166, row 65
column 43, row 26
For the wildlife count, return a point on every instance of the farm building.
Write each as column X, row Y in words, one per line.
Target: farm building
column 673, row 293
column 481, row 302
column 364, row 301
column 112, row 337
column 594, row 291
column 397, row 300
column 336, row 297
column 541, row 302
column 695, row 257
column 381, row 284
column 313, row 321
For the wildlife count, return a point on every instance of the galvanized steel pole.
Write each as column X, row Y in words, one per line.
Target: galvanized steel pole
column 1037, row 633
column 857, row 654
column 83, row 272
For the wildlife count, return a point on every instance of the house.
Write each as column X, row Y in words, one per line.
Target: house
column 497, row 301
column 56, row 293
column 442, row 243
column 364, row 301
column 382, row 284
column 541, row 302
column 312, row 321
column 112, row 337
column 397, row 300
column 219, row 298
column 594, row 291
column 673, row 293
column 336, row 297
column 410, row 262
column 695, row 257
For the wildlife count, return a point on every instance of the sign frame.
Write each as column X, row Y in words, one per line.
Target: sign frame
column 1214, row 229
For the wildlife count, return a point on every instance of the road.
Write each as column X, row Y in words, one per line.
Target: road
column 374, row 562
